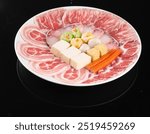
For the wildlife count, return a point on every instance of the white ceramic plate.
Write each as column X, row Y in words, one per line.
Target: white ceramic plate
column 32, row 50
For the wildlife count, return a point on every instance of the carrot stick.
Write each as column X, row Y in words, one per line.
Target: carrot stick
column 89, row 66
column 106, row 62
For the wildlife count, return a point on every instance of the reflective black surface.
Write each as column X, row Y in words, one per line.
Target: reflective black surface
column 27, row 95
column 77, row 97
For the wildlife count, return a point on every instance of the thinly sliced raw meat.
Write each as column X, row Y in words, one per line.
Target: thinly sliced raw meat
column 129, row 57
column 131, row 44
column 103, row 75
column 122, row 65
column 116, row 27
column 106, row 75
column 33, row 53
column 82, row 16
column 105, row 20
column 51, row 19
column 123, row 33
column 55, row 17
column 117, row 70
column 49, row 67
column 89, row 16
column 130, row 52
column 72, row 76
column 34, row 36
column 92, row 78
column 70, row 17
column 43, row 21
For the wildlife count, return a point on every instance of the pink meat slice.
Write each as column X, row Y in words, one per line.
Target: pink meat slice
column 103, row 75
column 124, row 33
column 43, row 21
column 72, row 76
column 89, row 16
column 33, row 53
column 49, row 67
column 34, row 36
column 129, row 57
column 106, row 21
column 106, row 75
column 131, row 44
column 130, row 52
column 82, row 16
column 55, row 17
column 92, row 78
column 116, row 27
column 122, row 65
column 51, row 19
column 71, row 17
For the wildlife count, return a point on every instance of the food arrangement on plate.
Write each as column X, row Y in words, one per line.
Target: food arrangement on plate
column 84, row 50
column 78, row 46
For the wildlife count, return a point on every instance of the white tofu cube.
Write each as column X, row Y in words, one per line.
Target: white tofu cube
column 81, row 60
column 68, row 53
column 58, row 47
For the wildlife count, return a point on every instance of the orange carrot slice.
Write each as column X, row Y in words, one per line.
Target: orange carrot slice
column 101, row 59
column 106, row 61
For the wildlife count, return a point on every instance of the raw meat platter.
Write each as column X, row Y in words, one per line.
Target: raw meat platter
column 77, row 46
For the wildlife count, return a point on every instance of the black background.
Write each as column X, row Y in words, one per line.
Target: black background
column 18, row 101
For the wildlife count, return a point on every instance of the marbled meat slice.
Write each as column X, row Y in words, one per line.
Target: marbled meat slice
column 51, row 19
column 33, row 53
column 72, row 76
column 34, row 36
column 49, row 67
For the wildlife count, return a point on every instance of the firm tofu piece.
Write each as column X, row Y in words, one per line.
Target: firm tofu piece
column 94, row 53
column 68, row 53
column 102, row 48
column 58, row 47
column 79, row 61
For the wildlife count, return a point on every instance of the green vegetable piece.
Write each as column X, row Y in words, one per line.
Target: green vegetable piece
column 67, row 36
column 76, row 32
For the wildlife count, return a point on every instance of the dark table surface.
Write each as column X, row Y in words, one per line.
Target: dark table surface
column 17, row 100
